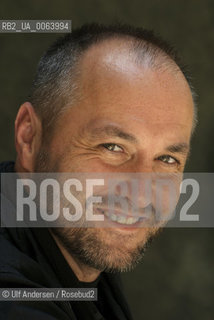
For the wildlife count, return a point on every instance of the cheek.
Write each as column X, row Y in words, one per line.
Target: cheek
column 75, row 162
column 89, row 161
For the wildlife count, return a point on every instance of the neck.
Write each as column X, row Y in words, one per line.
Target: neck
column 82, row 271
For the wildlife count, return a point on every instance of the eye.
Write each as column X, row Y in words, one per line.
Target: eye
column 168, row 159
column 112, row 147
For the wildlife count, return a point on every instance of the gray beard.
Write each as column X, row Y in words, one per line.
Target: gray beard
column 84, row 245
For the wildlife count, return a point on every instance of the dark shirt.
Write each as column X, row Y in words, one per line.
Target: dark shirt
column 30, row 258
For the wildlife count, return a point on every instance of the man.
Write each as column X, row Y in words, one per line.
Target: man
column 106, row 99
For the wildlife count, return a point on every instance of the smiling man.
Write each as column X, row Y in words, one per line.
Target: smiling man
column 106, row 99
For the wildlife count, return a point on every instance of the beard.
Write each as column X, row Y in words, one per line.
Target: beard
column 103, row 249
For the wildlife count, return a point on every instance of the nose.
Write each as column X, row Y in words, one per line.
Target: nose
column 132, row 182
column 142, row 162
column 135, row 181
column 134, row 188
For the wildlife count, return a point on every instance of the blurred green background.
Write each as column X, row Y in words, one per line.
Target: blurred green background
column 176, row 277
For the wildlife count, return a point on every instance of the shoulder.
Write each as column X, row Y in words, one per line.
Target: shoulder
column 20, row 268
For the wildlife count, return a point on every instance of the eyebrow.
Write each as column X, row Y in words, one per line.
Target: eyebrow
column 111, row 130
column 182, row 148
column 114, row 131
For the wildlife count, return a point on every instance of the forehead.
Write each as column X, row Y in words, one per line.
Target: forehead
column 112, row 83
column 114, row 88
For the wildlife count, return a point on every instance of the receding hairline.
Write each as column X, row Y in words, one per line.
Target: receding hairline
column 156, row 58
column 160, row 63
column 130, row 46
column 63, row 93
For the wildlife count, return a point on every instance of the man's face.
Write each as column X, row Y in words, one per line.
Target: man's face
column 129, row 119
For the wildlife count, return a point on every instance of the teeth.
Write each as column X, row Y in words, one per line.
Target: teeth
column 119, row 218
column 113, row 217
column 131, row 220
column 122, row 219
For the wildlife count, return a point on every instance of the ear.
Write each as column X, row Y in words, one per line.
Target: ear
column 28, row 132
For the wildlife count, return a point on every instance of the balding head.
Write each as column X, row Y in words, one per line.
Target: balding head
column 57, row 84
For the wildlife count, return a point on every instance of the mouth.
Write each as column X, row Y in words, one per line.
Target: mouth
column 120, row 218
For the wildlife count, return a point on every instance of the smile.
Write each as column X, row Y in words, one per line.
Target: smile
column 120, row 218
